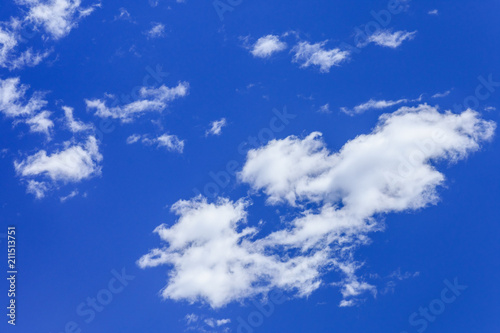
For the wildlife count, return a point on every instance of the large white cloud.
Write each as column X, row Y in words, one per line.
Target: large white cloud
column 296, row 169
column 219, row 257
column 215, row 261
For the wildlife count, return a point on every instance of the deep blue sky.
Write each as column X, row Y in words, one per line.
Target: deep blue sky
column 67, row 250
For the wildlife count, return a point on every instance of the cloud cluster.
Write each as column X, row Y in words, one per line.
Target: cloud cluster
column 309, row 54
column 150, row 100
column 304, row 53
column 218, row 256
column 55, row 17
column 78, row 160
column 12, row 58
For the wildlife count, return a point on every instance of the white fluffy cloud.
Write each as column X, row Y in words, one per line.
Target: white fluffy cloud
column 214, row 259
column 389, row 39
column 218, row 257
column 57, row 17
column 293, row 169
column 315, row 54
column 71, row 165
column 150, row 100
column 171, row 142
column 216, row 127
column 267, row 46
column 41, row 171
column 38, row 189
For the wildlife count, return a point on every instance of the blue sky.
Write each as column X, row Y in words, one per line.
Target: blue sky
column 326, row 167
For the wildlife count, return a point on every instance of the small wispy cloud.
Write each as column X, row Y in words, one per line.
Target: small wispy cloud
column 157, row 31
column 203, row 324
column 123, row 15
column 441, row 95
column 168, row 141
column 389, row 39
column 325, row 108
column 433, row 12
column 133, row 138
column 69, row 196
column 372, row 104
column 73, row 124
column 216, row 127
